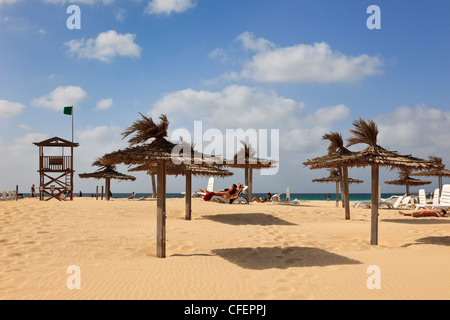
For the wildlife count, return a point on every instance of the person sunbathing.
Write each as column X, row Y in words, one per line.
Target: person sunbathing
column 426, row 213
column 229, row 194
column 267, row 199
column 132, row 196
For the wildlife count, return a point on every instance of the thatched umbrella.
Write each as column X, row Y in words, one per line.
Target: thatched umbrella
column 373, row 156
column 246, row 159
column 160, row 152
column 439, row 172
column 106, row 172
column 336, row 150
column 336, row 178
column 187, row 170
column 404, row 179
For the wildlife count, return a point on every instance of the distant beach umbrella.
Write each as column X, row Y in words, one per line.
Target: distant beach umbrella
column 106, row 172
column 438, row 172
column 373, row 156
column 336, row 178
column 246, row 159
column 404, row 179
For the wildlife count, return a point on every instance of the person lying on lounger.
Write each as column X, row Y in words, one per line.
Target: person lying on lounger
column 267, row 199
column 230, row 194
column 426, row 213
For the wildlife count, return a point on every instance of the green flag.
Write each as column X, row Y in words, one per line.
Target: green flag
column 68, row 110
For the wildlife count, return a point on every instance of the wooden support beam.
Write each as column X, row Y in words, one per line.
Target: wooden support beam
column 374, row 213
column 161, row 211
column 188, row 196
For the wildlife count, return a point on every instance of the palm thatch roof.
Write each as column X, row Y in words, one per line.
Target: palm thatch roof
column 158, row 149
column 184, row 169
column 441, row 171
column 246, row 158
column 105, row 172
column 367, row 133
column 408, row 181
column 335, row 177
column 372, row 155
column 404, row 179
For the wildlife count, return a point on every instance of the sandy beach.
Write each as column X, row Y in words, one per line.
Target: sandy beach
column 257, row 251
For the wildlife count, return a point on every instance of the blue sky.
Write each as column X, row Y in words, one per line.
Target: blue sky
column 303, row 67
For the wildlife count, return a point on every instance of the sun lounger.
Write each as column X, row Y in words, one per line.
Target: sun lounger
column 381, row 203
column 276, row 199
column 444, row 200
column 209, row 188
column 236, row 199
column 424, row 204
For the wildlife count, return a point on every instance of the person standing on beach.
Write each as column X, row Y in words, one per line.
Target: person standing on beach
column 33, row 191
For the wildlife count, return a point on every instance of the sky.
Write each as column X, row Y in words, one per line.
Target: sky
column 300, row 69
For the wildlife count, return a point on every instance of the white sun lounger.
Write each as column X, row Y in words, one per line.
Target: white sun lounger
column 276, row 199
column 209, row 188
column 444, row 200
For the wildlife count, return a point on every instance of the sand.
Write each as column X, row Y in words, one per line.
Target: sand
column 257, row 251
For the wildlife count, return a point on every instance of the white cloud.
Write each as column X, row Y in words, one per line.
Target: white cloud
column 421, row 131
column 8, row 1
column 24, row 127
column 104, row 104
column 61, row 97
column 105, row 47
column 120, row 14
column 249, row 42
column 301, row 63
column 169, row 6
column 251, row 108
column 20, row 162
column 10, row 109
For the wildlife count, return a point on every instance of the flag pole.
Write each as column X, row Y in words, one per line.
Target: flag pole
column 72, row 123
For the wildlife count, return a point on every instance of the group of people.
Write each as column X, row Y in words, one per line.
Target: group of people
column 229, row 193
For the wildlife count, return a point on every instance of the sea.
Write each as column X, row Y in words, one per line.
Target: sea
column 299, row 196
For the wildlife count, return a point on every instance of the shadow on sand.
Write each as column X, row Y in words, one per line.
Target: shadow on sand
column 419, row 221
column 282, row 258
column 441, row 241
column 258, row 219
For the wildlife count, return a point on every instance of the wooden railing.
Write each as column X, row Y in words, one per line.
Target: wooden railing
column 56, row 163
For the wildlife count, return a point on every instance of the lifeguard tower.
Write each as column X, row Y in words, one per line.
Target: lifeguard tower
column 56, row 169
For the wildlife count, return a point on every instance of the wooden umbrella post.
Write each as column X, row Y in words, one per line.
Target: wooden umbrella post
column 337, row 194
column 161, row 211
column 188, row 196
column 154, row 195
column 108, row 188
column 250, row 185
column 374, row 215
column 346, row 194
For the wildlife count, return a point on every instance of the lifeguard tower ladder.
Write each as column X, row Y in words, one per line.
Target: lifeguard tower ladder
column 56, row 171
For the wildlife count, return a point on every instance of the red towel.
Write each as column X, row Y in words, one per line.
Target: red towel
column 208, row 196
